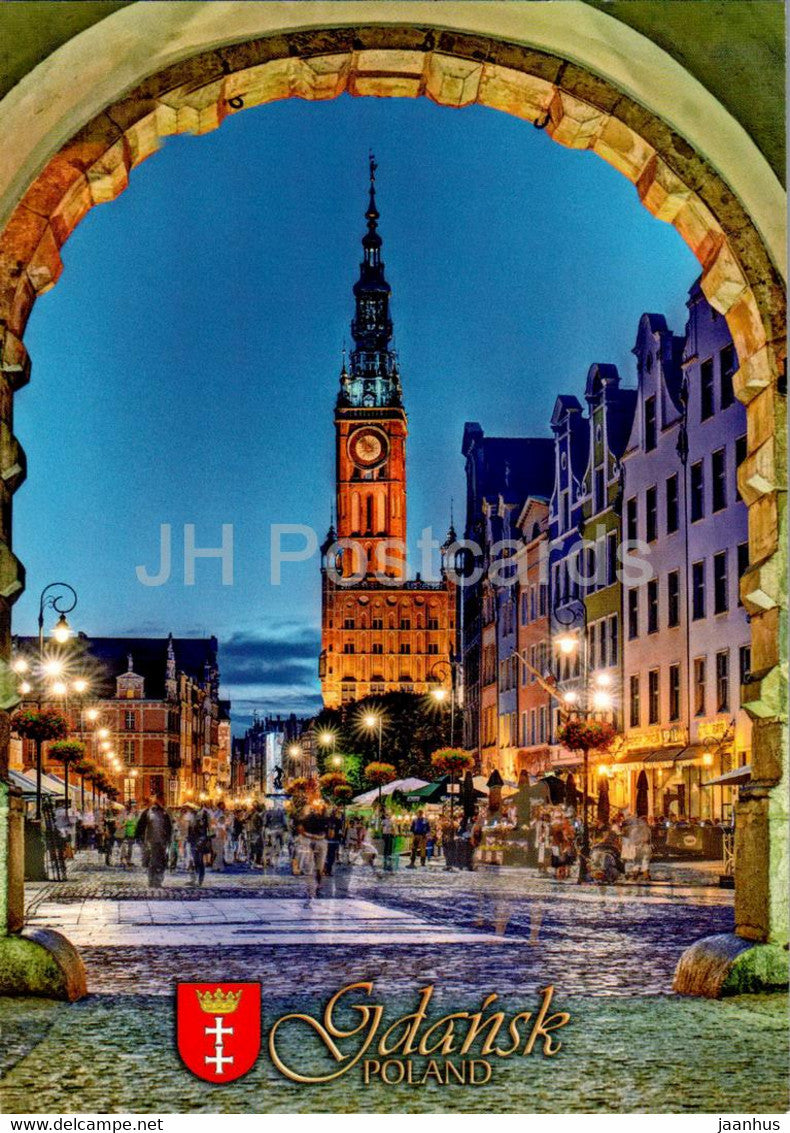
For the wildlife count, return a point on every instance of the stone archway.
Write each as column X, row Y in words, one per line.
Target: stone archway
column 728, row 222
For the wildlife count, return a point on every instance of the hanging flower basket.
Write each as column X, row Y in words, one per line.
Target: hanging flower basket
column 452, row 761
column 343, row 793
column 84, row 767
column 331, row 780
column 587, row 735
column 67, row 752
column 300, row 786
column 40, row 726
column 379, row 774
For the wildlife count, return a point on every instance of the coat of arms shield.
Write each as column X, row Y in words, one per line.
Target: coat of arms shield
column 218, row 1029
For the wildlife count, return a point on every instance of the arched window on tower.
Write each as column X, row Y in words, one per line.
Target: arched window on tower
column 369, row 515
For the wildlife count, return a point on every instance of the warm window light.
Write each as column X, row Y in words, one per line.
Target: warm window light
column 62, row 631
column 20, row 665
column 59, row 688
column 602, row 700
column 566, row 643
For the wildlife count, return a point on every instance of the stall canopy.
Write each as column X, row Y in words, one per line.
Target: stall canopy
column 436, row 792
column 735, row 778
column 26, row 783
column 407, row 786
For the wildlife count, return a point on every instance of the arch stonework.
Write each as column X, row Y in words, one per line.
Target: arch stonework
column 741, row 278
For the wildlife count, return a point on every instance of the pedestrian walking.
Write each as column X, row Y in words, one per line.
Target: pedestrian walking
column 311, row 848
column 154, row 830
column 108, row 833
column 199, row 842
column 420, row 829
column 129, row 829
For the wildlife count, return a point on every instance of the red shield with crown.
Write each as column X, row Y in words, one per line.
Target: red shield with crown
column 219, row 1029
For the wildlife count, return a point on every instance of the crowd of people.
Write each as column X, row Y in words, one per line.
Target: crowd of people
column 313, row 840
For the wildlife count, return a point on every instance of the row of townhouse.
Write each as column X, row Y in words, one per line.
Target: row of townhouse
column 633, row 549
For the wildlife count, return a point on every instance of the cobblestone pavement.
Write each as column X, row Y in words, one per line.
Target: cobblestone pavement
column 610, row 954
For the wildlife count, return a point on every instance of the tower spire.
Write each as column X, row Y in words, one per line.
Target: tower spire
column 372, row 377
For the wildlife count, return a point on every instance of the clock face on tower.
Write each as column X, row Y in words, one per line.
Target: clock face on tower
column 368, row 448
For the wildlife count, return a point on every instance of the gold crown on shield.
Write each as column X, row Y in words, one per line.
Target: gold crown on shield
column 218, row 1002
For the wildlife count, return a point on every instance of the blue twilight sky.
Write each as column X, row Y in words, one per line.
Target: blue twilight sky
column 185, row 366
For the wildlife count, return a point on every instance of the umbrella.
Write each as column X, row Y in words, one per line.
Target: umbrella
column 406, row 785
column 641, row 795
column 603, row 802
column 556, row 788
column 431, row 792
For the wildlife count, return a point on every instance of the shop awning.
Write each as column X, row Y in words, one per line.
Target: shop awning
column 695, row 751
column 734, row 778
column 666, row 755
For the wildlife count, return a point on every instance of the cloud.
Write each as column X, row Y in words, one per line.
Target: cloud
column 283, row 654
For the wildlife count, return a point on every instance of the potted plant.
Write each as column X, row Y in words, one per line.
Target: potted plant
column 586, row 735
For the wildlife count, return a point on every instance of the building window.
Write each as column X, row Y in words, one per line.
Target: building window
column 723, row 681
column 347, row 692
column 377, row 623
column 611, row 558
column 706, row 390
column 631, row 520
column 348, row 623
column 130, row 721
column 633, row 614
column 433, row 623
column 721, row 602
column 745, row 663
column 650, row 424
column 405, row 623
column 600, row 490
column 697, row 591
column 727, row 368
column 651, row 514
column 743, row 565
column 653, row 706
column 377, row 647
column 348, row 647
column 672, row 503
column 129, row 753
column 719, row 478
column 673, row 598
column 697, row 492
column 652, row 606
column 740, row 456
column 699, row 686
column 405, row 647
column 614, row 644
column 674, row 692
column 433, row 647
column 635, row 712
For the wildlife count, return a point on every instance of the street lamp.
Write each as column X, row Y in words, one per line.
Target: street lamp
column 372, row 720
column 440, row 694
column 582, row 703
column 62, row 604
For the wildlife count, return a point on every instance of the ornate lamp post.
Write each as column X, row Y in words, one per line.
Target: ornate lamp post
column 374, row 720
column 440, row 694
column 580, row 706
